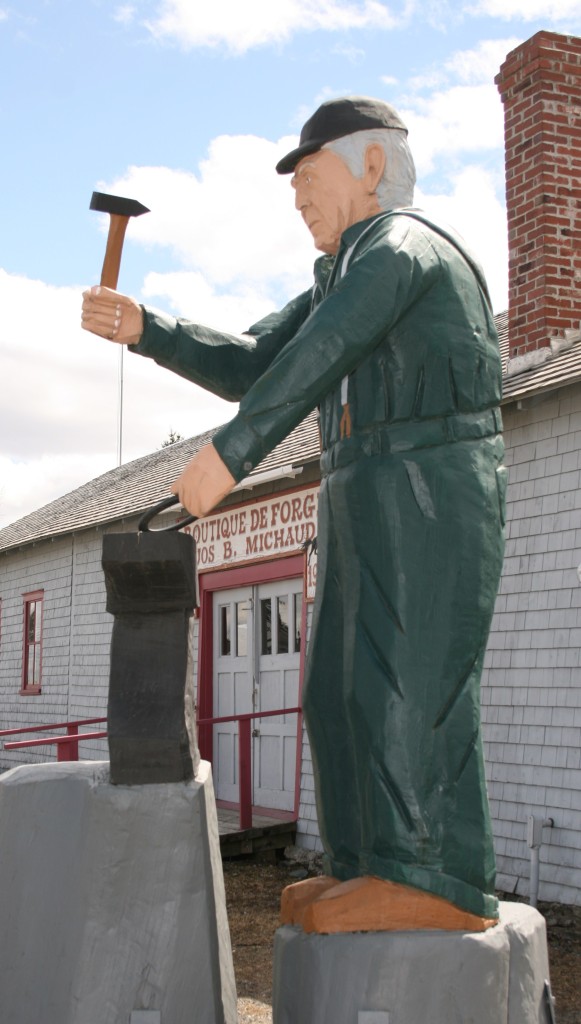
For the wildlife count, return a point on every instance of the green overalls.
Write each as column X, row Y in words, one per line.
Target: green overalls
column 396, row 344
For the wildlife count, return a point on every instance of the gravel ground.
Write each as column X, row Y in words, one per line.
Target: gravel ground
column 252, row 1012
column 253, row 887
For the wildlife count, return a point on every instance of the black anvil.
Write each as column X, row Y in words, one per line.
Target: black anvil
column 151, row 591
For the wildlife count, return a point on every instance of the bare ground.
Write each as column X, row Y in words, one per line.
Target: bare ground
column 253, row 887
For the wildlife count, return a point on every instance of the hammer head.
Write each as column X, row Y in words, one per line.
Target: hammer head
column 117, row 205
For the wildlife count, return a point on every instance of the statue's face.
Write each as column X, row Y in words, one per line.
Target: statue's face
column 329, row 198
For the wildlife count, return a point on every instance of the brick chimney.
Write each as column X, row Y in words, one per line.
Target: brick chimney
column 540, row 86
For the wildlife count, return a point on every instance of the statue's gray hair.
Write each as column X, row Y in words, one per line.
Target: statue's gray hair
column 396, row 187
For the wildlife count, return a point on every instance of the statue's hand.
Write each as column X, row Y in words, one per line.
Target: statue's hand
column 113, row 316
column 204, row 482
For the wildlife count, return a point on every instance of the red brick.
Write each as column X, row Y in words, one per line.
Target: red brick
column 539, row 83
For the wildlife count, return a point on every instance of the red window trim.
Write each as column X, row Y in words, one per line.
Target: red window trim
column 28, row 598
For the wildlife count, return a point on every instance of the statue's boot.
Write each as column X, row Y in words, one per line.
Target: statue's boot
column 372, row 904
column 295, row 898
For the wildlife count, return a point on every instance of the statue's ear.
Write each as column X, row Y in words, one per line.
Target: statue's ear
column 374, row 166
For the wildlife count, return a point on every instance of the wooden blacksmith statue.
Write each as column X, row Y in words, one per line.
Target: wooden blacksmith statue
column 395, row 344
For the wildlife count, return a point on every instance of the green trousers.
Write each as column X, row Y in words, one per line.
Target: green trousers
column 410, row 549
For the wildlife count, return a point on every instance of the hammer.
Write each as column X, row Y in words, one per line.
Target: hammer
column 120, row 210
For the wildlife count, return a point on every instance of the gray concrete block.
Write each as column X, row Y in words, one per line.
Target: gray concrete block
column 422, row 977
column 112, row 900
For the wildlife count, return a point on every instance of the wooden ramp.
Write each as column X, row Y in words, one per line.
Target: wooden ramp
column 266, row 833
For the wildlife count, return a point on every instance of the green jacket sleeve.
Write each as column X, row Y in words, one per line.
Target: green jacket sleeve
column 225, row 364
column 348, row 324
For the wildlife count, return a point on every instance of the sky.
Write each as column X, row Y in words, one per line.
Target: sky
column 186, row 106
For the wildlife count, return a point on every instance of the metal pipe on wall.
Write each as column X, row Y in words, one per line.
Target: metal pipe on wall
column 535, row 828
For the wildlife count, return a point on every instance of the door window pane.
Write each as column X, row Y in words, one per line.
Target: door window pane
column 282, row 624
column 265, row 626
column 37, row 621
column 31, row 622
column 298, row 598
column 225, row 634
column 242, row 612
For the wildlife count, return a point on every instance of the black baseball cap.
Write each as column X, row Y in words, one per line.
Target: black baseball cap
column 337, row 118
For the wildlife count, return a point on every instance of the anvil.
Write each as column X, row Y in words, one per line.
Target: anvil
column 150, row 580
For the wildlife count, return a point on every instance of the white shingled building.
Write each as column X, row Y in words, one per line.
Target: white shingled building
column 257, row 567
column 532, row 683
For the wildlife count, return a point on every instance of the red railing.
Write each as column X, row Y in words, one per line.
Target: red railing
column 245, row 754
column 68, row 746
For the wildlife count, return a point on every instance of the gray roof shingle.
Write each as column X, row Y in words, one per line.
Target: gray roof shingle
column 558, row 371
column 130, row 489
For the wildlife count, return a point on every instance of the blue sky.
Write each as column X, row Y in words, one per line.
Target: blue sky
column 186, row 106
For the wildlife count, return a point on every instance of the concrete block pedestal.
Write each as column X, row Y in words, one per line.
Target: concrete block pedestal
column 112, row 900
column 422, row 977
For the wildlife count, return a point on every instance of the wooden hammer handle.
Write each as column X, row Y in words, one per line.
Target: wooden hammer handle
column 112, row 262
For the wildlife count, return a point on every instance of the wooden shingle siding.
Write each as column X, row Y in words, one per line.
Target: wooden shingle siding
column 531, row 687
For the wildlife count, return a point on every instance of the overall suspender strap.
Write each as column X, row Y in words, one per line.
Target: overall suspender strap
column 345, row 425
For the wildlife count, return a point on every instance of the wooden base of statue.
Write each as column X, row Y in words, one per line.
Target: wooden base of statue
column 327, row 906
column 406, row 972
column 119, row 902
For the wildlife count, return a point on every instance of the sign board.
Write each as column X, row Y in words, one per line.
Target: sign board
column 277, row 526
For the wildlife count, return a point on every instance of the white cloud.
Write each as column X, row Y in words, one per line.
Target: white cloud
column 453, row 109
column 53, row 396
column 190, row 294
column 454, row 114
column 473, row 208
column 239, row 249
column 59, row 410
column 29, row 484
column 528, row 10
column 354, row 54
column 44, row 354
column 482, row 63
column 243, row 247
column 461, row 119
column 125, row 14
column 242, row 26
column 234, row 221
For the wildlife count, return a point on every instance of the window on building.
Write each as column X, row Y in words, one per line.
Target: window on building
column 32, row 654
column 225, row 630
column 282, row 623
column 242, row 617
column 280, row 635
column 298, row 600
column 266, row 625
